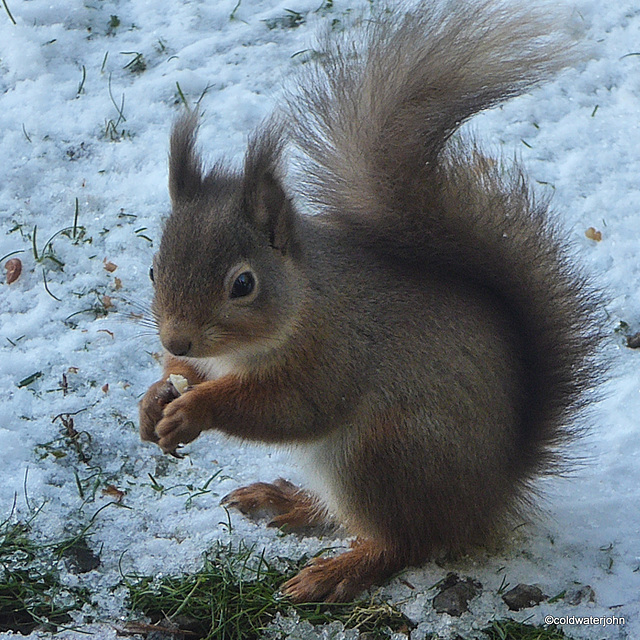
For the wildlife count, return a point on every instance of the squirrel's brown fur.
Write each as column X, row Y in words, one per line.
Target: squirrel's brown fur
column 423, row 339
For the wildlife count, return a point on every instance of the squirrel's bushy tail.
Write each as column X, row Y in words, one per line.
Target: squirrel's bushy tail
column 383, row 100
column 374, row 121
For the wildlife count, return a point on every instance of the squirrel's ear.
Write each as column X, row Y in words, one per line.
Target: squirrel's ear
column 265, row 199
column 185, row 166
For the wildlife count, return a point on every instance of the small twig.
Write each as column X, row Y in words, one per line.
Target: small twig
column 84, row 77
column 12, row 253
column 35, row 246
column 119, row 109
column 61, row 416
column 48, row 245
column 29, row 379
column 184, row 100
column 140, row 628
column 46, row 286
column 75, row 218
column 6, row 8
column 24, row 486
column 203, row 94
column 232, row 16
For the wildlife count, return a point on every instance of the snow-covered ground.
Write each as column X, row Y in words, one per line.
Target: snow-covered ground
column 88, row 92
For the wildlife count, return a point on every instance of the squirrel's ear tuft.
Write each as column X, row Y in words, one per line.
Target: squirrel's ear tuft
column 265, row 200
column 185, row 165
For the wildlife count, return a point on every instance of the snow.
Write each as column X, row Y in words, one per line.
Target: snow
column 63, row 79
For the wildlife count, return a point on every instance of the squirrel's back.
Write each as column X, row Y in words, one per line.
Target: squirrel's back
column 374, row 122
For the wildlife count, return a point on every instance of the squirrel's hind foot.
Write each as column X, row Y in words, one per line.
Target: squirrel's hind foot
column 293, row 509
column 342, row 578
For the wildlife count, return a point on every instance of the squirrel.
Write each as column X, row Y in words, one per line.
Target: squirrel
column 402, row 312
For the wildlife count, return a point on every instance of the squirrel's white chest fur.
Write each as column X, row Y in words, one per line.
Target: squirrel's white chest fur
column 213, row 368
column 322, row 471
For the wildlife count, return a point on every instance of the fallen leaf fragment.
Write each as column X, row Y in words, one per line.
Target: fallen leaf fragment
column 114, row 492
column 593, row 234
column 109, row 266
column 14, row 269
column 633, row 342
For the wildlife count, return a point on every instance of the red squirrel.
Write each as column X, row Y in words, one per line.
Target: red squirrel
column 417, row 333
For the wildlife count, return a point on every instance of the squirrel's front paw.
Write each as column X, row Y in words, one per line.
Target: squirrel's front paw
column 182, row 422
column 157, row 397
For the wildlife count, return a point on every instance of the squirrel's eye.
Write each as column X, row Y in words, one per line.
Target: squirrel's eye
column 243, row 285
column 151, row 274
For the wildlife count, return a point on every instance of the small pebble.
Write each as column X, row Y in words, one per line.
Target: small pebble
column 523, row 596
column 455, row 594
column 579, row 595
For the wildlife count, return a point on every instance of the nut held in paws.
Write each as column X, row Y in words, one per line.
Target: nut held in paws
column 180, row 383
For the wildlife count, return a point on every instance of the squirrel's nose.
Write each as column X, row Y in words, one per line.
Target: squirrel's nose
column 177, row 345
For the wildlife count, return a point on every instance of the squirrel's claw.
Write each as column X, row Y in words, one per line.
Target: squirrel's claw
column 276, row 497
column 289, row 507
column 341, row 578
column 152, row 405
column 180, row 424
column 320, row 581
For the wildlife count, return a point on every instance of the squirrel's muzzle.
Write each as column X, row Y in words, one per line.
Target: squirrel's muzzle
column 178, row 345
column 177, row 339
